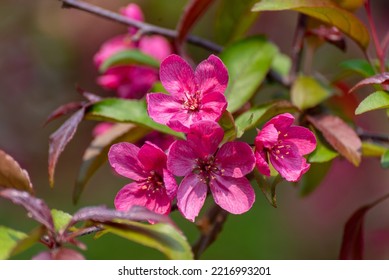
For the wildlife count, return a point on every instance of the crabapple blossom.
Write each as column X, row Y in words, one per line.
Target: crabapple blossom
column 284, row 144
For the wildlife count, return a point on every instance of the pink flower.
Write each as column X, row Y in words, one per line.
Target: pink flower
column 285, row 144
column 132, row 11
column 205, row 165
column 154, row 186
column 194, row 95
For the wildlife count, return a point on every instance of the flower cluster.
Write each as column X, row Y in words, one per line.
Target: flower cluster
column 205, row 164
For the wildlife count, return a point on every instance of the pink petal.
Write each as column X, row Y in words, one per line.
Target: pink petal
column 155, row 46
column 234, row 195
column 170, row 184
column 162, row 107
column 281, row 122
column 182, row 120
column 289, row 163
column 181, row 158
column 112, row 46
column 152, row 157
column 302, row 137
column 101, row 128
column 177, row 76
column 132, row 11
column 212, row 75
column 136, row 82
column 109, row 81
column 261, row 162
column 213, row 106
column 191, row 195
column 205, row 137
column 267, row 137
column 162, row 140
column 236, row 159
column 123, row 157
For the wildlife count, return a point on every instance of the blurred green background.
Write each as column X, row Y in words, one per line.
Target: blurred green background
column 45, row 51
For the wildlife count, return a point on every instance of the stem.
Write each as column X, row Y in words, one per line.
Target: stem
column 379, row 51
column 298, row 43
column 144, row 27
column 372, row 136
column 210, row 226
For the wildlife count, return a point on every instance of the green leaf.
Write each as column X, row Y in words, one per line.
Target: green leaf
column 315, row 175
column 322, row 153
column 261, row 113
column 96, row 154
column 233, row 19
column 61, row 219
column 325, row 11
column 307, row 92
column 385, row 160
column 268, row 186
column 31, row 239
column 359, row 66
column 370, row 149
column 375, row 101
column 127, row 111
column 281, row 64
column 248, row 62
column 228, row 124
column 129, row 57
column 8, row 240
column 163, row 237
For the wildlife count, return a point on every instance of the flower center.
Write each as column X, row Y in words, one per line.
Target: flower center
column 152, row 184
column 207, row 168
column 280, row 150
column 192, row 101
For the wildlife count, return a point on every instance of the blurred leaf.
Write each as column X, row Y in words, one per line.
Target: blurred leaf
column 12, row 175
column 228, row 124
column 385, row 160
column 324, row 10
column 60, row 138
column 29, row 240
column 8, row 240
column 261, row 113
column 339, row 135
column 375, row 101
column 193, row 11
column 158, row 87
column 37, row 208
column 370, row 149
column 130, row 111
column 359, row 66
column 379, row 79
column 281, row 64
column 61, row 219
column 350, row 4
column 268, row 186
column 96, row 154
column 248, row 62
column 315, row 175
column 163, row 237
column 59, row 254
column 129, row 57
column 307, row 93
column 233, row 19
column 322, row 153
column 65, row 109
column 352, row 243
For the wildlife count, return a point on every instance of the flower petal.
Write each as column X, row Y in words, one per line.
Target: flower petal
column 267, row 137
column 112, row 46
column 302, row 137
column 123, row 158
column 191, row 195
column 205, row 137
column 170, row 184
column 162, row 107
column 182, row 121
column 234, row 195
column 132, row 11
column 289, row 163
column 213, row 106
column 177, row 76
column 236, row 159
column 181, row 158
column 155, row 46
column 152, row 157
column 261, row 162
column 211, row 75
column 281, row 122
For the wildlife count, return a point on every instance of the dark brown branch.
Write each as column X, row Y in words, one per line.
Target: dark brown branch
column 210, row 225
column 297, row 48
column 375, row 137
column 145, row 28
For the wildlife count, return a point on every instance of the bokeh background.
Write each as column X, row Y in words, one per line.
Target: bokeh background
column 46, row 50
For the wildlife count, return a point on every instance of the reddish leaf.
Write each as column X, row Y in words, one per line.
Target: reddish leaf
column 192, row 13
column 37, row 208
column 91, row 97
column 64, row 109
column 331, row 34
column 380, row 79
column 12, row 175
column 60, row 138
column 59, row 254
column 341, row 137
column 352, row 242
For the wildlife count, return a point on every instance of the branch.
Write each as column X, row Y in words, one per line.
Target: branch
column 376, row 137
column 298, row 43
column 144, row 28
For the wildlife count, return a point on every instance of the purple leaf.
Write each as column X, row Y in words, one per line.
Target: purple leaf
column 37, row 208
column 64, row 109
column 12, row 175
column 352, row 243
column 60, row 138
column 91, row 97
column 380, row 79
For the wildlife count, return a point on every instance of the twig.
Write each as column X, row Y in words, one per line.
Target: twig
column 372, row 136
column 210, row 226
column 298, row 42
column 144, row 27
